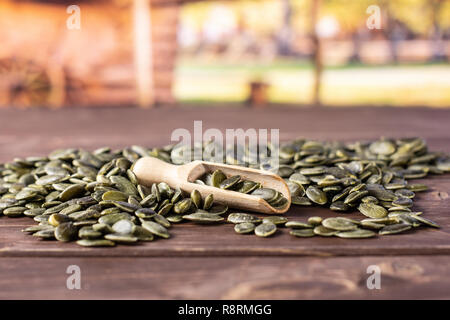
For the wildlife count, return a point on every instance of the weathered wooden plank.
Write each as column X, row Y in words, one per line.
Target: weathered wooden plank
column 40, row 131
column 411, row 277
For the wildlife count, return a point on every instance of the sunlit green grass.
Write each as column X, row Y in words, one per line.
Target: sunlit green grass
column 292, row 82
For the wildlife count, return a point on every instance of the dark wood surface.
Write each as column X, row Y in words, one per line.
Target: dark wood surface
column 218, row 262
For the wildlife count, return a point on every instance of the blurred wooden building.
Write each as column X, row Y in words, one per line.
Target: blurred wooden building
column 123, row 53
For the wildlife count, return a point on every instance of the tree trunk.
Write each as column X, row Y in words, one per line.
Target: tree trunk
column 285, row 34
column 317, row 55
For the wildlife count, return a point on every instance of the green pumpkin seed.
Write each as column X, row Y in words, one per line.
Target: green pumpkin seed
column 386, row 220
column 247, row 186
column 14, row 211
column 56, row 219
column 403, row 202
column 217, row 177
column 299, row 179
column 426, row 222
column 201, row 217
column 145, row 213
column 196, row 198
column 156, row 229
column 355, row 196
column 45, row 234
column 115, row 196
column 162, row 220
column 324, row 231
column 277, row 220
column 103, row 228
column 315, row 221
column 313, row 171
column 372, row 210
column 123, row 226
column 296, row 189
column 302, row 233
column 209, row 201
column 243, row 217
column 394, row 228
column 34, row 212
column 301, row 201
column 230, row 182
column 316, row 195
column 382, row 147
column 121, row 238
column 96, row 243
column 356, row 234
column 124, row 185
column 37, row 228
column 266, row 194
column 112, row 218
column 218, row 209
column 25, row 194
column 83, row 215
column 71, row 192
column 408, row 219
column 298, row 225
column 405, row 193
column 66, row 232
column 83, row 223
column 265, row 229
column 339, row 224
column 339, row 206
column 165, row 209
column 125, row 206
column 142, row 234
column 369, row 199
column 182, row 206
column 88, row 232
column 50, row 179
column 174, row 218
column 148, row 200
column 371, row 225
column 71, row 209
column 244, row 227
column 417, row 187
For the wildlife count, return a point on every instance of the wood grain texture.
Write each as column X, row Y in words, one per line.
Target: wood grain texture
column 241, row 266
column 412, row 277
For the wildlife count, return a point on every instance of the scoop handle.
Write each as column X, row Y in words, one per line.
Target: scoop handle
column 149, row 170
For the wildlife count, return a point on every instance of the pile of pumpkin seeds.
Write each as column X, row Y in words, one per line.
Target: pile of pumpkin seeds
column 371, row 177
column 218, row 179
column 95, row 199
column 341, row 227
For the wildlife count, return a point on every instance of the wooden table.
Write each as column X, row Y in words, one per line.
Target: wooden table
column 213, row 262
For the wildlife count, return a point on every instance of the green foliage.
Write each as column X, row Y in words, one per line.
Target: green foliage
column 265, row 16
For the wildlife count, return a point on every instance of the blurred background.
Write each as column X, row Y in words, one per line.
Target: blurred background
column 160, row 52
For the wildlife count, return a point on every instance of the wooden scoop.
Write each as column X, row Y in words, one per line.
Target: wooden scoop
column 151, row 170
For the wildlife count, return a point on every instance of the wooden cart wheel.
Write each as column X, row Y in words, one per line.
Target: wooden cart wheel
column 23, row 83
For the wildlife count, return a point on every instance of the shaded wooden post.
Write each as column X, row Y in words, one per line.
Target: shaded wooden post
column 317, row 56
column 57, row 97
column 165, row 17
column 143, row 57
column 258, row 96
